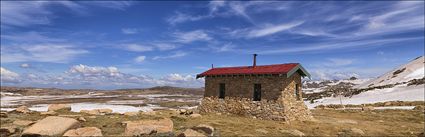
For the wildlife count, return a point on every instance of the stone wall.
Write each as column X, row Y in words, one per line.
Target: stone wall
column 243, row 86
column 278, row 100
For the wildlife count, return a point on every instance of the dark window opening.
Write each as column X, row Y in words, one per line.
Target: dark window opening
column 297, row 92
column 222, row 90
column 257, row 92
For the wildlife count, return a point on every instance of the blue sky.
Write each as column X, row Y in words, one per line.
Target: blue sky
column 131, row 44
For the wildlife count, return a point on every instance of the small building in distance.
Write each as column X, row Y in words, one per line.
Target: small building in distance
column 265, row 92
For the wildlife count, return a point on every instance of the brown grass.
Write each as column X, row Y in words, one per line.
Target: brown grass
column 373, row 123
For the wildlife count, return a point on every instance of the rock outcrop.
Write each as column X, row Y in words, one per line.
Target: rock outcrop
column 292, row 132
column 7, row 131
column 59, row 107
column 207, row 129
column 49, row 113
column 84, row 132
column 97, row 111
column 22, row 122
column 51, row 126
column 148, row 127
column 22, row 109
column 191, row 133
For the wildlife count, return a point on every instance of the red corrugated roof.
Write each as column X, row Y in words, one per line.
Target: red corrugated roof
column 265, row 69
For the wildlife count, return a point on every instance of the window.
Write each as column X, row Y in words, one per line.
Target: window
column 257, row 92
column 297, row 92
column 222, row 90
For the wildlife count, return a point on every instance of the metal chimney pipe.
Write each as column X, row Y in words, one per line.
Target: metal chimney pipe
column 255, row 61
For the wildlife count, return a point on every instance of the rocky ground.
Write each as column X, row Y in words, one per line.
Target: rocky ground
column 59, row 120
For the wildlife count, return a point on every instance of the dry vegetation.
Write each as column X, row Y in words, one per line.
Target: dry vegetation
column 327, row 123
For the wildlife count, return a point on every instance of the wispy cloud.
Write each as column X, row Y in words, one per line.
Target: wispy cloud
column 130, row 30
column 140, row 59
column 191, row 36
column 174, row 55
column 181, row 17
column 19, row 13
column 329, row 46
column 32, row 36
column 55, row 53
column 272, row 29
column 165, row 46
column 339, row 62
column 8, row 76
column 137, row 47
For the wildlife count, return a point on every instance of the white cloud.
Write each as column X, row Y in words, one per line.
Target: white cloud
column 272, row 29
column 55, row 53
column 215, row 5
column 181, row 80
column 140, row 59
column 175, row 55
column 130, row 30
column 8, row 76
column 181, row 17
column 165, row 46
column 191, row 36
column 31, row 36
column 97, row 77
column 137, row 47
column 94, row 71
column 25, row 13
column 25, row 65
column 326, row 46
column 331, row 75
column 339, row 62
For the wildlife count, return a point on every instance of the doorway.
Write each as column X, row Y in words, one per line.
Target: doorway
column 222, row 90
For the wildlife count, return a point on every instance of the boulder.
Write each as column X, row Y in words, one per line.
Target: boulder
column 82, row 119
column 98, row 111
column 3, row 114
column 195, row 115
column 351, row 132
column 23, row 109
column 420, row 108
column 91, row 112
column 292, row 132
column 204, row 128
column 184, row 112
column 131, row 113
column 85, row 131
column 51, row 126
column 57, row 107
column 367, row 108
column 191, row 133
column 22, row 122
column 7, row 131
column 49, row 113
column 147, row 127
column 357, row 131
column 105, row 111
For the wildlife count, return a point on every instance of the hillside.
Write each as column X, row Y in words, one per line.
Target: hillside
column 412, row 70
column 405, row 83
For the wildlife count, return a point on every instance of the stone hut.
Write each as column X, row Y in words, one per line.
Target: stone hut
column 266, row 92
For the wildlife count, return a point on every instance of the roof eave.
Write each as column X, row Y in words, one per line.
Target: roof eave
column 296, row 68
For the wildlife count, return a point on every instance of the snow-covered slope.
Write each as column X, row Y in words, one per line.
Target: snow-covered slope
column 412, row 70
column 397, row 93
